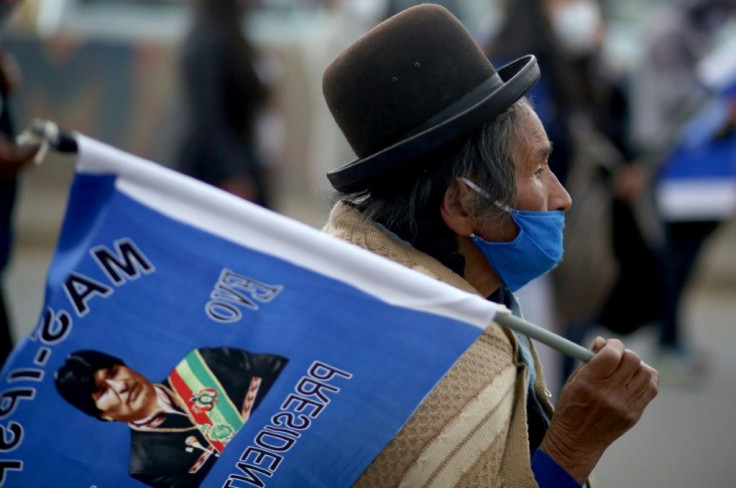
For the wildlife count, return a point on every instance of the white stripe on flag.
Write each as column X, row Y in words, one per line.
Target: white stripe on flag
column 701, row 199
column 184, row 199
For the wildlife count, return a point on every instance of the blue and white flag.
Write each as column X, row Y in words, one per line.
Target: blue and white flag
column 698, row 180
column 189, row 337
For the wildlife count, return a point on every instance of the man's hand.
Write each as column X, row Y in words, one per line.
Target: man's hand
column 13, row 157
column 602, row 400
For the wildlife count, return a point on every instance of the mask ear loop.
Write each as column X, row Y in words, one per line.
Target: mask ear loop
column 480, row 191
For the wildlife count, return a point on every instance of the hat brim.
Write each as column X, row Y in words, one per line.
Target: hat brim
column 517, row 78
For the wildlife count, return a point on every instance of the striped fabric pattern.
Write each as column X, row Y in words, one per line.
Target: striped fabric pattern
column 471, row 430
column 458, row 446
column 192, row 376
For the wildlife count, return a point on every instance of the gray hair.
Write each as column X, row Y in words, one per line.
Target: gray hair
column 409, row 203
column 487, row 159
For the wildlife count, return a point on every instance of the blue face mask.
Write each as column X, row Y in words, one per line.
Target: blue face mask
column 536, row 249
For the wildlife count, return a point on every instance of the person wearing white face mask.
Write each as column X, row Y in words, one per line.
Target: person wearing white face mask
column 578, row 24
column 452, row 180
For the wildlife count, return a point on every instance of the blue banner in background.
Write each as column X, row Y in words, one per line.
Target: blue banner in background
column 698, row 179
column 173, row 354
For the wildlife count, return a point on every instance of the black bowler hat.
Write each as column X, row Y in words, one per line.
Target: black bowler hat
column 411, row 85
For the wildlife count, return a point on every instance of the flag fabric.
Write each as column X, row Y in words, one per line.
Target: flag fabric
column 225, row 344
column 698, row 180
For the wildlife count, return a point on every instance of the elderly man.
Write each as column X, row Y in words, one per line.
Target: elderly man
column 452, row 180
column 179, row 427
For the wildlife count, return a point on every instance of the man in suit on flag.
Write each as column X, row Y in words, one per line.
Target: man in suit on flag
column 180, row 426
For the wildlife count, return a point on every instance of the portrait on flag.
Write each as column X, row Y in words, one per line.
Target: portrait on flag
column 202, row 405
column 262, row 343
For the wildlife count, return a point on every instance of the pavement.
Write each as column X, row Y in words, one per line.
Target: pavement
column 684, row 438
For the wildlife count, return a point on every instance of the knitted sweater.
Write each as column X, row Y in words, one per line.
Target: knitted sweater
column 471, row 430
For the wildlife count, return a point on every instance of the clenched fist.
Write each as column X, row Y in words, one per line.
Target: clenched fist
column 602, row 400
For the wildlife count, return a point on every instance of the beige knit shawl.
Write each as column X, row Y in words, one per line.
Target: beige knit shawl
column 471, row 430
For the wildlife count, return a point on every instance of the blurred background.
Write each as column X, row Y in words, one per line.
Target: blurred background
column 646, row 247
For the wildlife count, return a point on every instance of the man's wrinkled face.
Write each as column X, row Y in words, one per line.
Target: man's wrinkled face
column 122, row 394
column 537, row 187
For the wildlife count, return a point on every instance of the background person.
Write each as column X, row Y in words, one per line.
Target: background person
column 452, row 180
column 12, row 161
column 225, row 95
column 667, row 92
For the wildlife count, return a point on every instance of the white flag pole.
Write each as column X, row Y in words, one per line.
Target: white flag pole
column 507, row 319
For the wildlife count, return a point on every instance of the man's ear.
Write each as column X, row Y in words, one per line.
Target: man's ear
column 455, row 210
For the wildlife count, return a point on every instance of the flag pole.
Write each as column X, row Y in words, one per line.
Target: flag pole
column 507, row 319
column 48, row 135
